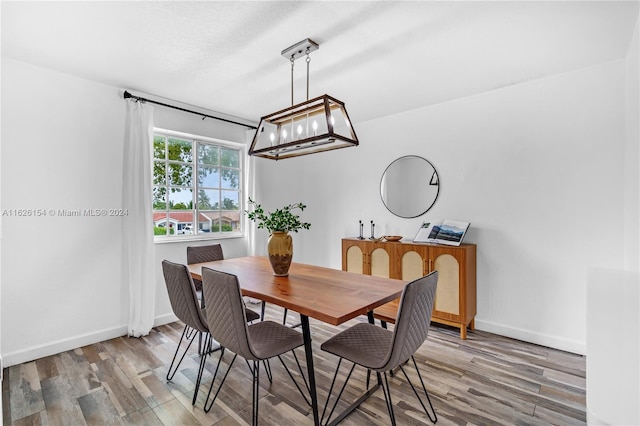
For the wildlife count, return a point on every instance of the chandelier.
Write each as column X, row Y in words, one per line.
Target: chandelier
column 316, row 125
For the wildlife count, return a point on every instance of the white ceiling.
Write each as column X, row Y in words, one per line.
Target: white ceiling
column 379, row 58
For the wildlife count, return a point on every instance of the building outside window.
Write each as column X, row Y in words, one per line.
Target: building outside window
column 197, row 184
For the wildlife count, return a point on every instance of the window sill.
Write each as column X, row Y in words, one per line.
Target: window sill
column 199, row 237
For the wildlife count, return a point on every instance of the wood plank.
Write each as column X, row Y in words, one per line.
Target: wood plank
column 121, row 391
column 26, row 392
column 97, row 409
column 143, row 417
column 173, row 412
column 61, row 410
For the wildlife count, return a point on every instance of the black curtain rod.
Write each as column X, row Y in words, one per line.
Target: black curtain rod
column 128, row 95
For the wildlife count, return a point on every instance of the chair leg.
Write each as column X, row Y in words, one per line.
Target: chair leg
column 203, row 361
column 189, row 334
column 256, row 391
column 387, row 398
column 262, row 308
column 335, row 404
column 207, row 406
column 294, row 380
column 267, row 368
column 304, row 378
column 434, row 419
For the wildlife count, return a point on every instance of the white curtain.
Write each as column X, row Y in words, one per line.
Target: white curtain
column 137, row 230
column 251, row 193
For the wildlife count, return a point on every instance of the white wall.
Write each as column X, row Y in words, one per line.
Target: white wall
column 537, row 168
column 62, row 148
column 632, row 155
column 613, row 296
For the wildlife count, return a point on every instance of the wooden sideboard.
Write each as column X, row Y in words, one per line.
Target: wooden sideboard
column 455, row 303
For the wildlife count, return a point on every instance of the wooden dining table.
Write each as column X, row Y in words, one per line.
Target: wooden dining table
column 328, row 295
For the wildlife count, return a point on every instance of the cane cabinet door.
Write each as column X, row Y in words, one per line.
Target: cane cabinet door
column 456, row 292
column 366, row 257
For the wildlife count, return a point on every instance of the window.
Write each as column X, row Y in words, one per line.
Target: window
column 197, row 185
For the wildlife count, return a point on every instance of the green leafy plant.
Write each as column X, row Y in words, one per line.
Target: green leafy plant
column 281, row 220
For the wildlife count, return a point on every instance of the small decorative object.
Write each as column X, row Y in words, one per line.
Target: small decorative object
column 448, row 232
column 279, row 223
column 361, row 226
column 392, row 237
column 373, row 226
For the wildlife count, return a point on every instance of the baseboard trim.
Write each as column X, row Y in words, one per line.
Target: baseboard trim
column 59, row 346
column 52, row 348
column 542, row 339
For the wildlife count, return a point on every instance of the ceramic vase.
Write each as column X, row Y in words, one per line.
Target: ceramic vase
column 280, row 249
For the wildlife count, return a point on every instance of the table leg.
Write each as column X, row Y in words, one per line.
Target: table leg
column 306, row 334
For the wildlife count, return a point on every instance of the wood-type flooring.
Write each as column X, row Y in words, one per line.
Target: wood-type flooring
column 484, row 380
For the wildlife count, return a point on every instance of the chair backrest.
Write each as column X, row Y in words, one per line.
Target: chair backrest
column 182, row 295
column 226, row 315
column 200, row 254
column 414, row 317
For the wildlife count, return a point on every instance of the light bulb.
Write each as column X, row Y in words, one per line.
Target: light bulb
column 299, row 129
column 315, row 127
column 284, row 134
column 272, row 137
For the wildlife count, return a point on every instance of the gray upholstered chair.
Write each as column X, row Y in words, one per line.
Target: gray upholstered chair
column 201, row 254
column 184, row 302
column 256, row 342
column 381, row 350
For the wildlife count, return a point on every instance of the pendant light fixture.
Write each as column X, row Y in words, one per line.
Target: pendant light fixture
column 316, row 125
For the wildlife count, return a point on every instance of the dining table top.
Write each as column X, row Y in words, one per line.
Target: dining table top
column 329, row 295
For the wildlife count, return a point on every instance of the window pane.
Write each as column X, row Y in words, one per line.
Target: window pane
column 230, row 200
column 229, row 157
column 180, row 198
column 214, row 220
column 159, row 198
column 205, row 220
column 207, row 154
column 160, row 223
column 230, row 221
column 180, row 174
column 208, row 176
column 207, row 199
column 181, row 222
column 159, row 173
column 230, row 179
column 180, row 150
column 159, row 147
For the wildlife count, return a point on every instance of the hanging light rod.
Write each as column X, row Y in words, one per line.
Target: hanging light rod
column 128, row 95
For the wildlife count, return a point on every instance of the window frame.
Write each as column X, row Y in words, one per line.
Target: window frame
column 242, row 173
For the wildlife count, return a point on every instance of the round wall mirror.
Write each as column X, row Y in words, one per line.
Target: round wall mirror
column 409, row 186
